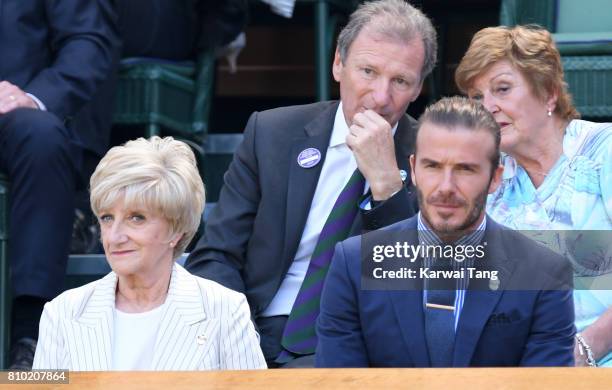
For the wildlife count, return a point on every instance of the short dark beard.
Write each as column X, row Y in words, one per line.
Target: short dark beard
column 471, row 219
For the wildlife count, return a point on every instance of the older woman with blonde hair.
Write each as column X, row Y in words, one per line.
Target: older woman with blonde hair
column 148, row 313
column 557, row 168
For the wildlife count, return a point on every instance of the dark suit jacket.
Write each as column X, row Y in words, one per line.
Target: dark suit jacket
column 253, row 234
column 178, row 29
column 62, row 52
column 361, row 328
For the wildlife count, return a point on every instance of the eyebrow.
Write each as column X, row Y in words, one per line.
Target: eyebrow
column 501, row 74
column 364, row 61
column 425, row 160
column 468, row 165
column 407, row 77
column 474, row 89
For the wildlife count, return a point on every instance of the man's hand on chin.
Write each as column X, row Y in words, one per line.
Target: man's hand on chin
column 372, row 144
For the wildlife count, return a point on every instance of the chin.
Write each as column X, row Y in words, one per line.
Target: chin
column 507, row 144
column 122, row 269
column 443, row 226
column 448, row 225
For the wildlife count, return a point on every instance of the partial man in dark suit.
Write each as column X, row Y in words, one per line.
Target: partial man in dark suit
column 178, row 30
column 512, row 306
column 57, row 57
column 307, row 176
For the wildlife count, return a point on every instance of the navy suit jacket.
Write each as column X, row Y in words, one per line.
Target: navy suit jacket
column 252, row 235
column 359, row 328
column 63, row 52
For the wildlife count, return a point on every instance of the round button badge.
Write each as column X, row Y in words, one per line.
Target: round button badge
column 308, row 158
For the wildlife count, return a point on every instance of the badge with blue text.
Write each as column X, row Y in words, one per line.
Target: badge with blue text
column 308, row 158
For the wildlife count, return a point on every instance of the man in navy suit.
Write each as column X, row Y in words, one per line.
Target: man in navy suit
column 57, row 58
column 518, row 314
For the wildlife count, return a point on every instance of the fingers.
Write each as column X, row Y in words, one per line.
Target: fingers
column 8, row 106
column 12, row 97
column 370, row 119
column 6, row 89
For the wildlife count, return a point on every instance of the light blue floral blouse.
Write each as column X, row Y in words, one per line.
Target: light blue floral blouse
column 575, row 195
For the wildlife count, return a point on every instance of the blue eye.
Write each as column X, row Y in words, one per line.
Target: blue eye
column 137, row 218
column 105, row 218
column 402, row 84
column 368, row 72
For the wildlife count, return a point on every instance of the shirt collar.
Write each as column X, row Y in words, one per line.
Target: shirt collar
column 341, row 129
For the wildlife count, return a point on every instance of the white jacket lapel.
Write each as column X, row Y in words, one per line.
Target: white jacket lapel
column 185, row 336
column 91, row 332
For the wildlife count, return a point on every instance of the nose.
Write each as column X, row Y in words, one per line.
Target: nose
column 381, row 92
column 490, row 103
column 447, row 183
column 114, row 233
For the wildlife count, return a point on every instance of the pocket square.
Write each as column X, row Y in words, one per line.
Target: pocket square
column 499, row 319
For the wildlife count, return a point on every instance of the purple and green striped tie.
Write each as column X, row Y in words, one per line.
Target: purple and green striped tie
column 299, row 336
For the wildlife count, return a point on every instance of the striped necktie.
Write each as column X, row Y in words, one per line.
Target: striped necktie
column 299, row 335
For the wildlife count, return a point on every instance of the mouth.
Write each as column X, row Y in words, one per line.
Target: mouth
column 121, row 252
column 446, row 206
column 503, row 125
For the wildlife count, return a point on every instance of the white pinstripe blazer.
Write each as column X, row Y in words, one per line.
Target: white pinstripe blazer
column 204, row 326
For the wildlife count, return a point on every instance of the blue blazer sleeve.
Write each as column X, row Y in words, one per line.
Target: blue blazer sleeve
column 340, row 339
column 551, row 339
column 85, row 44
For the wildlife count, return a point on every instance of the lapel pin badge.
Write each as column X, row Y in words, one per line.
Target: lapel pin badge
column 493, row 284
column 201, row 339
column 308, row 158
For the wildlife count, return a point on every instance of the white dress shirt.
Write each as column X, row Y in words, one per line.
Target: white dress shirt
column 337, row 169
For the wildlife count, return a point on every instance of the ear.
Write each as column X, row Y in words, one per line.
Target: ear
column 551, row 101
column 496, row 179
column 412, row 166
column 337, row 66
column 176, row 237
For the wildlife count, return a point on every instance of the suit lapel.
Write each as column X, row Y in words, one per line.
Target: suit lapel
column 91, row 332
column 408, row 306
column 184, row 337
column 404, row 139
column 480, row 300
column 302, row 182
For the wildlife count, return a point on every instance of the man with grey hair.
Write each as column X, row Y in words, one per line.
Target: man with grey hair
column 308, row 176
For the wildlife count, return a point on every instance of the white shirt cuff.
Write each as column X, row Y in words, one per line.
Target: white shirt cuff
column 41, row 105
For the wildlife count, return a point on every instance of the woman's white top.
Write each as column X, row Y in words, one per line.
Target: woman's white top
column 135, row 335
